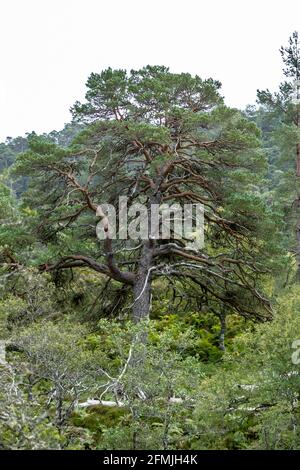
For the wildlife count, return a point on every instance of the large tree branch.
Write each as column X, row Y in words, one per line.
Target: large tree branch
column 79, row 261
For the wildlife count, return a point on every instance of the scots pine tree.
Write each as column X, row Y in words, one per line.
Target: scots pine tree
column 283, row 108
column 156, row 138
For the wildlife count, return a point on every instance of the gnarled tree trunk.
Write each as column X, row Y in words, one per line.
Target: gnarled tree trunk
column 142, row 285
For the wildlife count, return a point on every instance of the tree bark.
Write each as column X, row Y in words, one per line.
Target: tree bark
column 298, row 158
column 298, row 221
column 298, row 249
column 222, row 331
column 142, row 285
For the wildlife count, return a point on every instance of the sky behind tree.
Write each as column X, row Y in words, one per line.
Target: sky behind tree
column 48, row 49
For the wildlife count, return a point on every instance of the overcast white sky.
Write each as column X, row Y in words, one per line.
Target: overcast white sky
column 49, row 47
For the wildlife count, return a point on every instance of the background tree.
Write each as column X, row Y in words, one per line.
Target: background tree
column 284, row 122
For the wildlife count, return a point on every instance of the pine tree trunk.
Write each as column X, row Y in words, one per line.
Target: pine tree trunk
column 222, row 331
column 298, row 222
column 142, row 286
column 298, row 250
column 298, row 175
column 298, row 159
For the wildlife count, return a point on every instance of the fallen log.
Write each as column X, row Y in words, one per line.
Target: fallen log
column 120, row 404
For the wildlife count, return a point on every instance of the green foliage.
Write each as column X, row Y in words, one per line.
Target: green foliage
column 199, row 373
column 33, row 298
column 24, row 424
column 253, row 401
